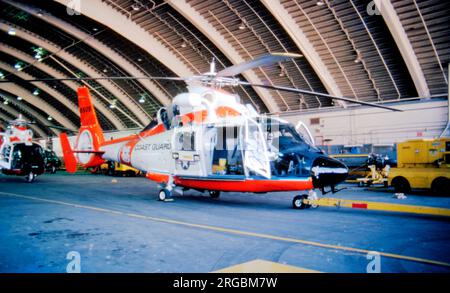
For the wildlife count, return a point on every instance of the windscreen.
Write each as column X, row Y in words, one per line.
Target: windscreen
column 283, row 137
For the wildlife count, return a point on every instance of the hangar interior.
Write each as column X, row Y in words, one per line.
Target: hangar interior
column 394, row 53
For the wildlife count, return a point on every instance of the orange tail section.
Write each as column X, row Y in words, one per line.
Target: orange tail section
column 88, row 118
column 69, row 157
column 90, row 138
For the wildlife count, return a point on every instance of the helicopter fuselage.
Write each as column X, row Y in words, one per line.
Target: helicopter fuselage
column 240, row 154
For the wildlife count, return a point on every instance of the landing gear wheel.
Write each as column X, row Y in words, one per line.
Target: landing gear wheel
column 214, row 193
column 164, row 194
column 401, row 185
column 440, row 186
column 30, row 177
column 298, row 204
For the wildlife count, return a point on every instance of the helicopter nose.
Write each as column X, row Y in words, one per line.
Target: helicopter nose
column 326, row 171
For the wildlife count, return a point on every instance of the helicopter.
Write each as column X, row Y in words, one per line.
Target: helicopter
column 19, row 155
column 207, row 140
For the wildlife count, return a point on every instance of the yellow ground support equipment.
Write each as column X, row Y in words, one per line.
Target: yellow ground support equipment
column 117, row 169
column 422, row 163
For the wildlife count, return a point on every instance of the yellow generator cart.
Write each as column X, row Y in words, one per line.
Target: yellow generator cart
column 116, row 169
column 422, row 163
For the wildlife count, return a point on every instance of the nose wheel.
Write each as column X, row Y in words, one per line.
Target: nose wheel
column 164, row 194
column 30, row 177
column 298, row 202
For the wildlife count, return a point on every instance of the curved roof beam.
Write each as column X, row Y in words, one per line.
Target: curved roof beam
column 102, row 13
column 37, row 102
column 305, row 46
column 38, row 117
column 35, row 127
column 71, row 84
column 100, row 47
column 78, row 63
column 225, row 47
column 43, row 87
column 394, row 24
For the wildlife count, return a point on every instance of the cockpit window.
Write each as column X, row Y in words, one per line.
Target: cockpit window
column 284, row 136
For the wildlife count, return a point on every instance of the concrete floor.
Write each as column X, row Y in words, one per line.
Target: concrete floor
column 132, row 232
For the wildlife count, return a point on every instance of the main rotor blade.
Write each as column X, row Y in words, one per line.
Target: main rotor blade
column 299, row 91
column 62, row 128
column 103, row 78
column 260, row 61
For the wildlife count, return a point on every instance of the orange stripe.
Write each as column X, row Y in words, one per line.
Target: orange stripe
column 155, row 130
column 158, row 177
column 246, row 185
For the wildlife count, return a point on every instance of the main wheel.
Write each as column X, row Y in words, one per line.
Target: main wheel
column 441, row 186
column 214, row 193
column 298, row 204
column 30, row 177
column 401, row 185
column 163, row 194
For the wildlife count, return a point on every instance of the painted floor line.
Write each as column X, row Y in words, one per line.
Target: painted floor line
column 232, row 231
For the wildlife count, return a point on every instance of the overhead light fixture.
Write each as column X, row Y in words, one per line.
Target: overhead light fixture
column 49, row 118
column 39, row 53
column 18, row 66
column 6, row 102
column 95, row 29
column 139, row 59
column 319, row 3
column 2, row 75
column 242, row 26
column 136, row 5
column 105, row 70
column 142, row 99
column 40, row 14
column 36, row 92
column 183, row 45
column 358, row 57
column 112, row 105
column 19, row 98
column 282, row 71
column 11, row 31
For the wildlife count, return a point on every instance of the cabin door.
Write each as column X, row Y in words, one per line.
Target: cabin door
column 254, row 145
column 187, row 152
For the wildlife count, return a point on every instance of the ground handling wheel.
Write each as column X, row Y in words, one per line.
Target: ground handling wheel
column 298, row 204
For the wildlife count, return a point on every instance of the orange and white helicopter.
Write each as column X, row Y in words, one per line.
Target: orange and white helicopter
column 19, row 155
column 208, row 141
